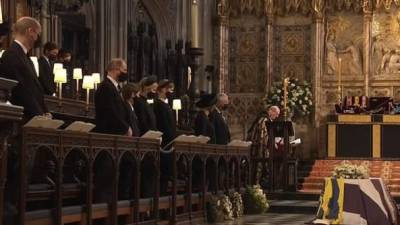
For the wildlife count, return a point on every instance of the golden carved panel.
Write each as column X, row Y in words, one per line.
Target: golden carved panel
column 344, row 40
column 381, row 92
column 331, row 140
column 376, row 141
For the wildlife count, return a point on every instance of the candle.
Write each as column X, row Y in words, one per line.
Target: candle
column 195, row 24
column 60, row 77
column 340, row 79
column 1, row 14
column 176, row 105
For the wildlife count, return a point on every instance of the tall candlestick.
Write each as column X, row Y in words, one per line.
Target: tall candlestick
column 195, row 24
column 285, row 96
column 340, row 80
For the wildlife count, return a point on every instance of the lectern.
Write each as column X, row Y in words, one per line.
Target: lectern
column 278, row 157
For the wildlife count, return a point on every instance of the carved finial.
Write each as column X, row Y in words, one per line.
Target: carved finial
column 269, row 7
column 367, row 6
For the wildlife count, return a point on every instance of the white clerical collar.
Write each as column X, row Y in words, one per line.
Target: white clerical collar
column 22, row 46
column 47, row 59
column 113, row 81
column 217, row 109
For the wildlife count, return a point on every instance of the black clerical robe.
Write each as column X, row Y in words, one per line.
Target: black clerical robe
column 203, row 126
column 16, row 65
column 111, row 114
column 46, row 76
column 145, row 114
column 165, row 121
column 222, row 134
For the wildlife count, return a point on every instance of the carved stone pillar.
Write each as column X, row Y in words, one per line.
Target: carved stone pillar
column 223, row 50
column 318, row 62
column 367, row 45
column 270, row 49
column 111, row 30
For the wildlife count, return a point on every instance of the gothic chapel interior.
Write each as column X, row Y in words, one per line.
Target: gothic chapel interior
column 122, row 112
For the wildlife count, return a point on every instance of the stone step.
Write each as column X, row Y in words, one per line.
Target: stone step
column 293, row 206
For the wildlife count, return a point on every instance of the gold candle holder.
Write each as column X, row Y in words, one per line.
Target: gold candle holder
column 340, row 95
column 285, row 97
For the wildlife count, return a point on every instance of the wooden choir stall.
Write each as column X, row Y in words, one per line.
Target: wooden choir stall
column 69, row 177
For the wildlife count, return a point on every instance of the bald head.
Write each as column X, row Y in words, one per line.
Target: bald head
column 117, row 69
column 222, row 101
column 22, row 25
column 27, row 31
column 273, row 112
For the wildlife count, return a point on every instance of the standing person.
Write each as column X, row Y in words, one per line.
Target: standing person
column 46, row 62
column 111, row 113
column 129, row 93
column 164, row 115
column 16, row 65
column 222, row 133
column 202, row 123
column 144, row 104
column 258, row 135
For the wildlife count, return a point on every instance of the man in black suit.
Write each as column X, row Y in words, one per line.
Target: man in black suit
column 144, row 104
column 111, row 113
column 46, row 61
column 16, row 65
column 222, row 134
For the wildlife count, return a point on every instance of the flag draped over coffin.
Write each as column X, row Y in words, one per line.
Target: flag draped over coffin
column 357, row 201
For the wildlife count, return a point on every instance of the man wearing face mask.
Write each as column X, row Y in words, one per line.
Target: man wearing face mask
column 144, row 104
column 46, row 62
column 222, row 134
column 111, row 114
column 16, row 65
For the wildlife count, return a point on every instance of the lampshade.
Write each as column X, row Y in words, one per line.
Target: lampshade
column 60, row 76
column 77, row 75
column 88, row 82
column 35, row 62
column 176, row 104
column 150, row 101
column 96, row 78
column 57, row 66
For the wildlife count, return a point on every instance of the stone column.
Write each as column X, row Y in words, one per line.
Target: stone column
column 367, row 44
column 223, row 50
column 111, row 30
column 270, row 49
column 318, row 62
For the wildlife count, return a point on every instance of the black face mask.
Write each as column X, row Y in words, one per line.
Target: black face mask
column 170, row 95
column 225, row 107
column 151, row 95
column 52, row 57
column 123, row 77
column 38, row 42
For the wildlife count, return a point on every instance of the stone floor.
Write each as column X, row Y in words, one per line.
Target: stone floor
column 268, row 219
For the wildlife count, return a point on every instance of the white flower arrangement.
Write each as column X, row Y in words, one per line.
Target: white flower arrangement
column 351, row 171
column 219, row 208
column 237, row 204
column 255, row 200
column 299, row 97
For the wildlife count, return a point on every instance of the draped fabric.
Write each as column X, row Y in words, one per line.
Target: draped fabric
column 357, row 202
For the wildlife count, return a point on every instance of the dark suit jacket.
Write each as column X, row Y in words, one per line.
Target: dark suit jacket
column 111, row 114
column 165, row 121
column 145, row 114
column 203, row 126
column 46, row 76
column 16, row 65
column 222, row 134
column 133, row 121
